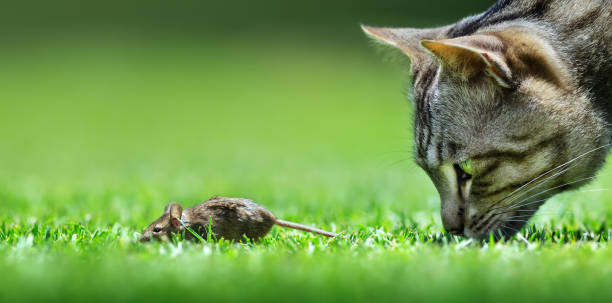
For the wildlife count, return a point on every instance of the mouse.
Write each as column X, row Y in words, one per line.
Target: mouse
column 230, row 218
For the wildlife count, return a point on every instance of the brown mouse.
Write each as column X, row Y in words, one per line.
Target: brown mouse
column 230, row 218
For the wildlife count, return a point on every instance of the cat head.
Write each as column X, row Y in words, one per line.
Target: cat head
column 499, row 124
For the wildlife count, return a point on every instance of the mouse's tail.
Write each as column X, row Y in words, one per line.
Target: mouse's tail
column 305, row 228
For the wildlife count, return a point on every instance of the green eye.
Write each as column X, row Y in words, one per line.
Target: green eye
column 466, row 166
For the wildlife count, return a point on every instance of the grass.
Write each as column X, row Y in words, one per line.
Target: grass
column 97, row 136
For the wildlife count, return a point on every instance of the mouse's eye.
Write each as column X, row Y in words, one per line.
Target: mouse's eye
column 157, row 229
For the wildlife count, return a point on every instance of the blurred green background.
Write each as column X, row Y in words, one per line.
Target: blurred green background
column 238, row 18
column 190, row 92
column 109, row 110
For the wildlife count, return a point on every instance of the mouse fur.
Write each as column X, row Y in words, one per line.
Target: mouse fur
column 230, row 218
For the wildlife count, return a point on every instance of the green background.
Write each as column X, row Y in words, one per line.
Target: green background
column 109, row 110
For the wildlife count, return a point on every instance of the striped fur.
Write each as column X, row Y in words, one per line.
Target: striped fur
column 520, row 89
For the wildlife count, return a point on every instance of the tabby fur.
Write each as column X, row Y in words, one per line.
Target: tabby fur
column 524, row 91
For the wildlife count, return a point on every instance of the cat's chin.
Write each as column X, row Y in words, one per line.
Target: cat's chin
column 472, row 235
column 481, row 236
column 498, row 230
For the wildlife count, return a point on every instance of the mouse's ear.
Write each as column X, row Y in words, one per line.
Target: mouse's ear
column 175, row 211
column 169, row 207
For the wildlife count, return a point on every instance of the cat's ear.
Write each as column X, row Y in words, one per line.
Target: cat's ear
column 408, row 40
column 470, row 55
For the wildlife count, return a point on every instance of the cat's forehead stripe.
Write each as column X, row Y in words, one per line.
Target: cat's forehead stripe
column 428, row 148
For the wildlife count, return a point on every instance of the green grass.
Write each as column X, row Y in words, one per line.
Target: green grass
column 97, row 136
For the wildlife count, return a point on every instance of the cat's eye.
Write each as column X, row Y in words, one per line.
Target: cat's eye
column 157, row 229
column 466, row 166
column 464, row 170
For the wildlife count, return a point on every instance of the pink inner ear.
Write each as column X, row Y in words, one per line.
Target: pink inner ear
column 472, row 54
column 176, row 210
column 492, row 64
column 175, row 221
column 495, row 71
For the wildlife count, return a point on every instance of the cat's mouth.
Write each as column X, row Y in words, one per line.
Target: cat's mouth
column 497, row 229
column 499, row 225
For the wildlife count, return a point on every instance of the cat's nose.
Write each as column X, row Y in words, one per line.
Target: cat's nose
column 453, row 218
column 456, row 232
column 455, row 229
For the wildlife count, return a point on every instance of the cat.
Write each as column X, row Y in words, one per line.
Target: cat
column 511, row 107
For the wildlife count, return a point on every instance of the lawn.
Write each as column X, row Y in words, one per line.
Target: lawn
column 97, row 135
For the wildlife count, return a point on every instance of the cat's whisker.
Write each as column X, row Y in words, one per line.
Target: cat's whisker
column 518, row 217
column 509, row 227
column 561, row 167
column 392, row 164
column 512, row 207
column 525, row 210
column 535, row 213
column 525, row 190
column 507, row 210
column 518, row 190
column 518, row 204
column 548, row 190
column 503, row 233
column 529, row 216
column 593, row 190
column 549, row 178
column 532, row 214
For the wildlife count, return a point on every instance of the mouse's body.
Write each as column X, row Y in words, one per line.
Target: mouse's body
column 229, row 218
column 233, row 218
